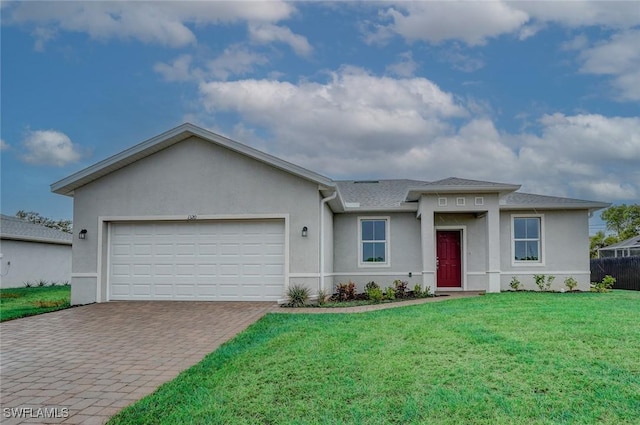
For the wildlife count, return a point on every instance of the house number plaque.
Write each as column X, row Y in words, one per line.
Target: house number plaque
column 192, row 217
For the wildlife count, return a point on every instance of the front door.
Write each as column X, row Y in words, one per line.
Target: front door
column 449, row 259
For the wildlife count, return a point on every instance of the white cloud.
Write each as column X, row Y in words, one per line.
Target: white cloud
column 268, row 33
column 235, row 60
column 475, row 22
column 405, row 67
column 471, row 22
column 4, row 145
column 178, row 70
column 619, row 57
column 164, row 23
column 49, row 147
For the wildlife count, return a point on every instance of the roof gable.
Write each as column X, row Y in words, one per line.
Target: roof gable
column 67, row 185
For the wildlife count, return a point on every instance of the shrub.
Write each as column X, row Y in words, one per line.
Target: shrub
column 374, row 294
column 400, row 288
column 346, row 291
column 543, row 282
column 427, row 292
column 322, row 296
column 298, row 295
column 28, row 284
column 371, row 285
column 571, row 283
column 550, row 279
column 607, row 283
column 390, row 293
column 417, row 291
column 42, row 283
column 515, row 283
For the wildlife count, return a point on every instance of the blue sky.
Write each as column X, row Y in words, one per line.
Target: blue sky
column 543, row 94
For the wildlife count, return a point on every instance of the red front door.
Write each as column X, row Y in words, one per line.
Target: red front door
column 448, row 259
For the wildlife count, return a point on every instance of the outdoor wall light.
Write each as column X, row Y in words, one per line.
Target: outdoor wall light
column 82, row 234
column 305, row 231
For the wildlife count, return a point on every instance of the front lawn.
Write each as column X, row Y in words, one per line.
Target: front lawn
column 21, row 302
column 511, row 358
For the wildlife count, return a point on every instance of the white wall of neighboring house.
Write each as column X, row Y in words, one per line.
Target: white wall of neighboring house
column 25, row 261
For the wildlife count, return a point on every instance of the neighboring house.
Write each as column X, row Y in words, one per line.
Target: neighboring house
column 191, row 215
column 32, row 252
column 627, row 248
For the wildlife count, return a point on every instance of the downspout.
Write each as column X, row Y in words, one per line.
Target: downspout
column 322, row 203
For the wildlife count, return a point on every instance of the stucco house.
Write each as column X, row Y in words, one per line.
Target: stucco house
column 32, row 252
column 191, row 215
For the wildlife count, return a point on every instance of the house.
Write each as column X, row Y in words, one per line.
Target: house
column 626, row 248
column 32, row 252
column 191, row 215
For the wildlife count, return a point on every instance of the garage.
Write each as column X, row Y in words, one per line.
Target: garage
column 217, row 260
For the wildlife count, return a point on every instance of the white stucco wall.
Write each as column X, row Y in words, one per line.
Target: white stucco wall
column 565, row 253
column 24, row 261
column 193, row 177
column 405, row 253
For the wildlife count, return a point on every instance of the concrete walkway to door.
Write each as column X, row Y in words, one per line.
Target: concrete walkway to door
column 92, row 361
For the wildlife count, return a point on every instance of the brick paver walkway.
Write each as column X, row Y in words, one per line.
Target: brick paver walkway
column 96, row 359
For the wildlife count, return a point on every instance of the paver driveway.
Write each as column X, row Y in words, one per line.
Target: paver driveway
column 96, row 359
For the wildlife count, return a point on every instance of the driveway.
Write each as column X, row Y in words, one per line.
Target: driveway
column 85, row 364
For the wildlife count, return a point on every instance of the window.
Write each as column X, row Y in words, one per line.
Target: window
column 374, row 234
column 527, row 245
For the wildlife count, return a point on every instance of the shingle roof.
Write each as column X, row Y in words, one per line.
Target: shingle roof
column 530, row 200
column 375, row 193
column 455, row 181
column 633, row 242
column 15, row 228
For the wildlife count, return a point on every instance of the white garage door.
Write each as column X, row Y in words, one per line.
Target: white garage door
column 199, row 260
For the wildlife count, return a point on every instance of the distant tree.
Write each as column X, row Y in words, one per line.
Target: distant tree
column 34, row 217
column 623, row 219
column 600, row 240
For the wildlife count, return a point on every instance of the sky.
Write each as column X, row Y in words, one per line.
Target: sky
column 542, row 94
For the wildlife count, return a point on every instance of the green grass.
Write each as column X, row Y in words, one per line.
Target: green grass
column 511, row 358
column 22, row 302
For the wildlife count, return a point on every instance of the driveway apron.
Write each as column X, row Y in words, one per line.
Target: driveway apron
column 84, row 364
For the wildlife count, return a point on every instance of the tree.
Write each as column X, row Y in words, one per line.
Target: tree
column 600, row 240
column 623, row 219
column 34, row 217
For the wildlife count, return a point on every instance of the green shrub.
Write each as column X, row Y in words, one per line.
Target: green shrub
column 42, row 283
column 515, row 283
column 322, row 296
column 374, row 294
column 389, row 294
column 371, row 285
column 28, row 284
column 571, row 283
column 298, row 295
column 400, row 288
column 607, row 283
column 543, row 282
column 346, row 291
column 417, row 291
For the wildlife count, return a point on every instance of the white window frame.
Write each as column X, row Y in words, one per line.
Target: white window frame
column 365, row 264
column 541, row 242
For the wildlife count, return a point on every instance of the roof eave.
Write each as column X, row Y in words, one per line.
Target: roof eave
column 594, row 206
column 35, row 239
column 414, row 193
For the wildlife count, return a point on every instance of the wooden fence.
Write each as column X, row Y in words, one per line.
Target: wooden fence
column 626, row 270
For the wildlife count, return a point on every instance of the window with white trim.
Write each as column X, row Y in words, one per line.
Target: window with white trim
column 527, row 239
column 374, row 241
